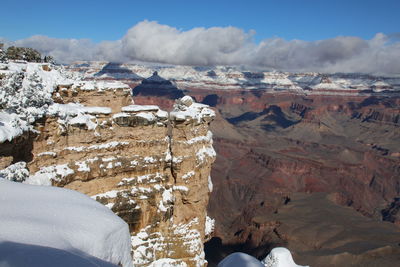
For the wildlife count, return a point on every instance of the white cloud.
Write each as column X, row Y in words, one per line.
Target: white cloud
column 151, row 41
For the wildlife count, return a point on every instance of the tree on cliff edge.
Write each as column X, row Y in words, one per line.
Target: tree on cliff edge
column 3, row 57
column 23, row 53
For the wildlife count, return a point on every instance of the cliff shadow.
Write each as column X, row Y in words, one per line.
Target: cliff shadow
column 271, row 118
column 211, row 100
column 255, row 77
column 18, row 149
column 117, row 71
column 157, row 86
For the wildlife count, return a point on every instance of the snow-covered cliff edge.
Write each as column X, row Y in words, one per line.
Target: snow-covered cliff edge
column 149, row 167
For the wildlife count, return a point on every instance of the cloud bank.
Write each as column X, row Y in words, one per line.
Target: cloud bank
column 152, row 42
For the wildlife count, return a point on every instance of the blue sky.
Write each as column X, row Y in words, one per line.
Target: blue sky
column 290, row 19
column 293, row 35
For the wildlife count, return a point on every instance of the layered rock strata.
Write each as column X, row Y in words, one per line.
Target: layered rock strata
column 148, row 166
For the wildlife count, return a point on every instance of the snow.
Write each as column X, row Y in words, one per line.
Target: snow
column 74, row 109
column 11, row 126
column 239, row 259
column 147, row 178
column 168, row 197
column 77, row 114
column 121, row 115
column 83, row 119
column 149, row 160
column 82, row 166
column 209, row 226
column 138, row 108
column 25, row 95
column 49, row 226
column 167, row 262
column 46, row 175
column 206, row 138
column 180, row 188
column 16, row 172
column 47, row 153
column 188, row 175
column 109, row 145
column 237, row 77
column 109, row 194
column 146, row 116
column 186, row 109
column 192, row 240
column 145, row 245
column 100, row 85
column 204, row 152
column 280, row 257
column 97, row 110
column 210, row 184
column 327, row 85
column 162, row 114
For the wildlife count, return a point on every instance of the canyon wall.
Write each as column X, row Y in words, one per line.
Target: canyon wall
column 150, row 167
column 291, row 149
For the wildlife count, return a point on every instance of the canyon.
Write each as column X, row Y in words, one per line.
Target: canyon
column 308, row 161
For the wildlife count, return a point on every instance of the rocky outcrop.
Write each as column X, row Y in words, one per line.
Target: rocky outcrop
column 150, row 167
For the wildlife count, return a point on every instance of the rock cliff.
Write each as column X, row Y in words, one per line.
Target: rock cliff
column 150, row 167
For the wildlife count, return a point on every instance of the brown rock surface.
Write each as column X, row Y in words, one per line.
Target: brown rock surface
column 150, row 170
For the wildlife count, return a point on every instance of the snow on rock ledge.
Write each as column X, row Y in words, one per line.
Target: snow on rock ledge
column 280, row 257
column 100, row 85
column 50, row 226
column 141, row 115
column 187, row 111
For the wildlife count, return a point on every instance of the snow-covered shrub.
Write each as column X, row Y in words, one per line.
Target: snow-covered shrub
column 9, row 87
column 16, row 172
column 25, row 97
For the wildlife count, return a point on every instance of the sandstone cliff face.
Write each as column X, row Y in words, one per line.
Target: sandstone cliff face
column 150, row 168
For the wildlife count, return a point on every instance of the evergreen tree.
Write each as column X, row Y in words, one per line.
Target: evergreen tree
column 3, row 57
column 23, row 53
column 10, row 89
column 49, row 59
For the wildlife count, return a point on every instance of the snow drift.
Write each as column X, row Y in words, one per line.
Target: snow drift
column 278, row 257
column 49, row 226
